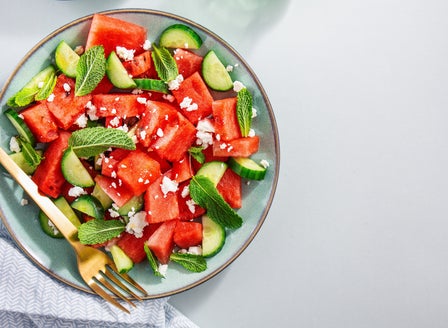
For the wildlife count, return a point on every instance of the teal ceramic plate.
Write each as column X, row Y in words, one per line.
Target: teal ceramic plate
column 55, row 256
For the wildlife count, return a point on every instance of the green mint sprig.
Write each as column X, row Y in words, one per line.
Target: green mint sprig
column 152, row 262
column 164, row 63
column 244, row 111
column 204, row 193
column 197, row 154
column 90, row 142
column 90, row 70
column 191, row 262
column 99, row 231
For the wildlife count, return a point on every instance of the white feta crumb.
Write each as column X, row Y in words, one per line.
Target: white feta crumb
column 115, row 121
column 143, row 134
column 204, row 133
column 251, row 133
column 14, row 145
column 237, row 86
column 159, row 132
column 76, row 191
column 191, row 205
column 163, row 268
column 185, row 191
column 66, row 87
column 137, row 91
column 136, row 224
column 50, row 97
column 229, row 68
column 188, row 104
column 81, row 121
column 175, row 84
column 125, row 54
column 24, row 202
column 168, row 185
column 254, row 112
column 91, row 111
column 113, row 213
column 195, row 250
column 147, row 45
column 264, row 163
column 142, row 100
column 168, row 97
column 223, row 145
column 41, row 84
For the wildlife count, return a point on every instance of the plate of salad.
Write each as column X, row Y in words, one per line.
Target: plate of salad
column 153, row 136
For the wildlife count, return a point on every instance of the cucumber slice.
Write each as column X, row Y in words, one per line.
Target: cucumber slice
column 20, row 125
column 135, row 204
column 180, row 36
column 213, row 170
column 89, row 205
column 65, row 207
column 22, row 162
column 122, row 261
column 30, row 154
column 247, row 168
column 117, row 74
column 66, row 59
column 73, row 170
column 27, row 94
column 48, row 227
column 215, row 74
column 104, row 198
column 213, row 237
column 151, row 85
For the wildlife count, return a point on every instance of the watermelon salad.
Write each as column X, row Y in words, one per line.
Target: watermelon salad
column 143, row 144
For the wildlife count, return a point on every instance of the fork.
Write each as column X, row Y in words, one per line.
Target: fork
column 95, row 267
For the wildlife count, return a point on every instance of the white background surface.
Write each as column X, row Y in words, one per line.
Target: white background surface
column 357, row 233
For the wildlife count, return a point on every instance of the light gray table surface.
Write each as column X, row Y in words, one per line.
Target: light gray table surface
column 357, row 233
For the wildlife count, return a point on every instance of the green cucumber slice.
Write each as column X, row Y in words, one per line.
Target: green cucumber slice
column 122, row 261
column 213, row 170
column 247, row 168
column 20, row 125
column 215, row 74
column 104, row 198
column 213, row 237
column 180, row 36
column 66, row 59
column 48, row 227
column 89, row 205
column 73, row 170
column 65, row 207
column 27, row 94
column 135, row 204
column 152, row 85
column 117, row 74
column 22, row 162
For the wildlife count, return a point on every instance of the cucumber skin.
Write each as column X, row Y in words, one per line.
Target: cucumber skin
column 219, row 233
column 117, row 74
column 239, row 166
column 211, row 68
column 20, row 125
column 122, row 261
column 73, row 170
column 213, row 170
column 177, row 35
column 89, row 205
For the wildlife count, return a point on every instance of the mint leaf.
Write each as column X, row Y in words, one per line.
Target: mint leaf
column 90, row 70
column 191, row 262
column 90, row 142
column 32, row 157
column 152, row 262
column 204, row 193
column 46, row 90
column 164, row 63
column 197, row 154
column 99, row 231
column 244, row 111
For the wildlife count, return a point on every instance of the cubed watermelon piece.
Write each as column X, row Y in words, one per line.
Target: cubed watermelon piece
column 65, row 107
column 114, row 189
column 160, row 206
column 240, row 147
column 188, row 209
column 230, row 188
column 133, row 246
column 111, row 32
column 139, row 65
column 41, row 123
column 181, row 170
column 187, row 234
column 194, row 98
column 161, row 242
column 137, row 171
column 117, row 105
column 187, row 62
column 225, row 119
column 48, row 175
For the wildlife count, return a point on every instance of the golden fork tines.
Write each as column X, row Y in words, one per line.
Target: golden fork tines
column 95, row 267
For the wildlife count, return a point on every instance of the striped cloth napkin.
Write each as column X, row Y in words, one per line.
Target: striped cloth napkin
column 31, row 298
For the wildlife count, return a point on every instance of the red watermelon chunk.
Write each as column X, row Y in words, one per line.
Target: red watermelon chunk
column 188, row 210
column 118, row 105
column 194, row 98
column 187, row 62
column 139, row 65
column 160, row 206
column 41, row 123
column 225, row 119
column 134, row 246
column 187, row 234
column 111, row 32
column 65, row 107
column 240, row 147
column 137, row 171
column 48, row 175
column 114, row 189
column 230, row 188
column 161, row 242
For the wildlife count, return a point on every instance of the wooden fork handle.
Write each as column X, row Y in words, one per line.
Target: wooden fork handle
column 46, row 204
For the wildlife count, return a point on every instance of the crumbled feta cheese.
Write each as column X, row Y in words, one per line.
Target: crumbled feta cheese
column 142, row 100
column 115, row 121
column 66, row 87
column 237, row 86
column 251, row 133
column 81, row 121
column 50, row 97
column 186, row 191
column 113, row 213
column 91, row 111
column 264, row 163
column 229, row 68
column 147, row 45
column 170, row 98
column 143, row 134
column 191, row 205
column 14, row 145
column 188, row 104
column 168, row 185
column 137, row 222
column 24, row 202
column 41, row 84
column 137, row 91
column 254, row 112
column 195, row 250
column 174, row 84
column 76, row 191
column 163, row 268
column 204, row 133
column 223, row 145
column 159, row 132
column 125, row 54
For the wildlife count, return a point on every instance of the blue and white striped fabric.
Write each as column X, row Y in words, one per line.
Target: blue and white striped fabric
column 31, row 298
